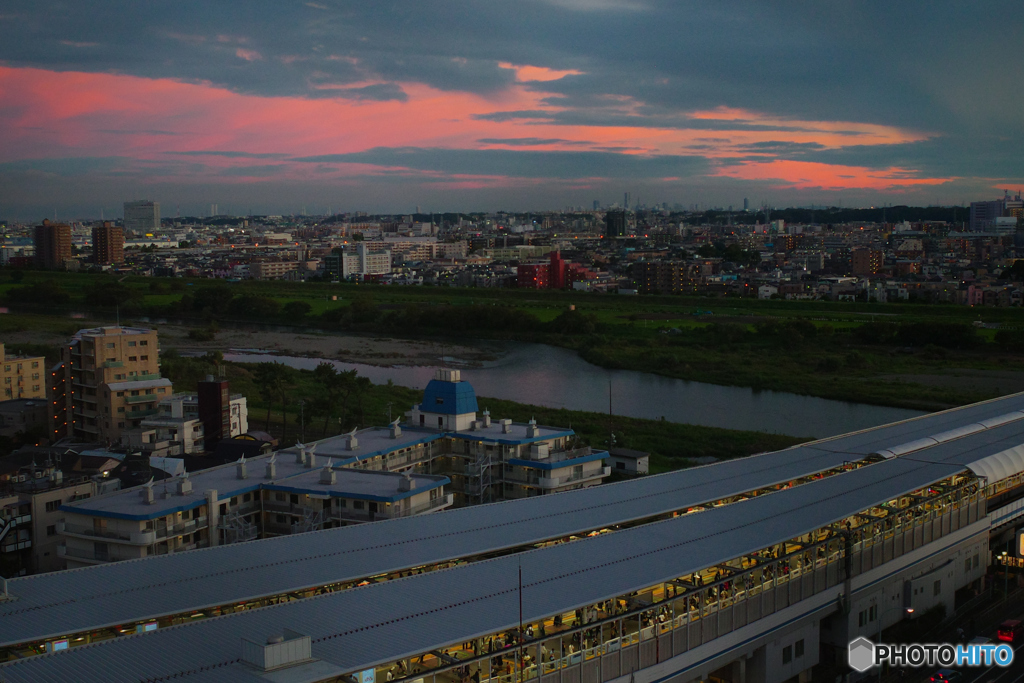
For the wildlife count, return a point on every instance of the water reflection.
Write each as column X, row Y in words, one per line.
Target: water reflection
column 555, row 377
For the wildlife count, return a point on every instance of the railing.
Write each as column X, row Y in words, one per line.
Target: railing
column 552, row 482
column 132, row 537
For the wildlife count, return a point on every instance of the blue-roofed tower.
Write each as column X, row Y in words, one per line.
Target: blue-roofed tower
column 448, row 403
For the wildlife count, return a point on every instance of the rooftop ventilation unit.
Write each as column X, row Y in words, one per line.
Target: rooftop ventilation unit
column 280, row 651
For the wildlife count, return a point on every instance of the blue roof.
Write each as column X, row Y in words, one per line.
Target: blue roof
column 449, row 398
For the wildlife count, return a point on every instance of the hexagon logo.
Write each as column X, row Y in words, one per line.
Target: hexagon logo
column 862, row 654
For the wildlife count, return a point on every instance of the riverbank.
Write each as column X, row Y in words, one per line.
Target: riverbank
column 899, row 355
column 671, row 445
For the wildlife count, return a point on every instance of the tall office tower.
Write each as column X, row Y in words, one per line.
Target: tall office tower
column 625, row 202
column 615, row 224
column 53, row 244
column 112, row 381
column 213, row 210
column 746, row 204
column 141, row 216
column 107, row 244
column 597, row 205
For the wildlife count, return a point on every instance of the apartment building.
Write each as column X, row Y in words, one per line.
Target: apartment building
column 22, row 376
column 33, row 487
column 107, row 244
column 52, row 245
column 266, row 496
column 111, row 379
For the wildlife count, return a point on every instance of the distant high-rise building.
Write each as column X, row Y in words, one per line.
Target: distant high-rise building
column 746, row 204
column 865, row 261
column 141, row 216
column 53, row 244
column 625, row 202
column 107, row 244
column 214, row 212
column 615, row 224
column 984, row 215
column 597, row 205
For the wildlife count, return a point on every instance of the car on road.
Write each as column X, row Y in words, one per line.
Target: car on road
column 943, row 675
column 1010, row 630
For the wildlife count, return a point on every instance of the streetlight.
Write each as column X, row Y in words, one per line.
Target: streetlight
column 908, row 610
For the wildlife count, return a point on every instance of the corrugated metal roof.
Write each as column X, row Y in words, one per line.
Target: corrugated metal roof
column 362, row 627
column 81, row 599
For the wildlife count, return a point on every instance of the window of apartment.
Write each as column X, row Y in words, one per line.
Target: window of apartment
column 35, row 375
column 144, row 357
column 7, row 380
column 131, row 343
column 120, row 424
column 234, row 500
column 7, row 368
column 51, row 530
column 937, row 588
column 135, row 392
column 358, row 504
column 787, row 654
column 798, row 648
column 279, row 519
column 975, row 560
column 53, row 505
column 967, row 565
column 873, row 613
column 223, row 508
column 149, row 392
column 342, row 503
column 132, row 359
column 110, row 345
column 35, row 387
column 195, row 513
column 295, row 499
column 120, row 393
column 279, row 497
column 160, row 390
column 246, row 498
column 8, row 392
column 35, row 364
column 143, row 343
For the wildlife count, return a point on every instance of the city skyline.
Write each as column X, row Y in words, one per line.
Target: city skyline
column 468, row 107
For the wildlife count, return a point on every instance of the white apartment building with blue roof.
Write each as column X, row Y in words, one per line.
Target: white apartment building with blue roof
column 444, row 455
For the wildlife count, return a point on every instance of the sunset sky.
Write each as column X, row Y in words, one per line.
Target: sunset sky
column 272, row 107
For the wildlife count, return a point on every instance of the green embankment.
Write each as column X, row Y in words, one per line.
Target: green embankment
column 904, row 355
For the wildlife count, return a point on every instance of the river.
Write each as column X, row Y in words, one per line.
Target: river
column 558, row 378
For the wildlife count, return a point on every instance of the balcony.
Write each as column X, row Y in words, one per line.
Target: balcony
column 142, row 398
column 113, row 364
column 88, row 532
column 555, row 482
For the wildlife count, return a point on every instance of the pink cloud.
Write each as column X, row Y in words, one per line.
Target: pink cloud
column 70, row 114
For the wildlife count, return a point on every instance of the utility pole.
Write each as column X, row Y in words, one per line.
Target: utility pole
column 302, row 419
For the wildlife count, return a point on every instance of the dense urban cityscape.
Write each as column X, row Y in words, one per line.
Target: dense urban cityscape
column 613, row 250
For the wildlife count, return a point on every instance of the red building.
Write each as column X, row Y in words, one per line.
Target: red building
column 532, row 276
column 555, row 274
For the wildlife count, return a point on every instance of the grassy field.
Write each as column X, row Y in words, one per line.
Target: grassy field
column 937, row 359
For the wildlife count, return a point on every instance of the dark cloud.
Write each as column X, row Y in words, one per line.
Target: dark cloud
column 778, row 146
column 526, row 164
column 265, row 171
